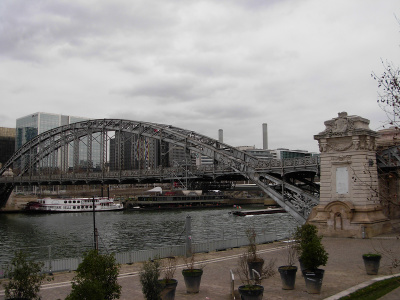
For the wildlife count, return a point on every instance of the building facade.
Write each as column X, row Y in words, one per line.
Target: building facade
column 283, row 153
column 259, row 153
column 30, row 126
column 129, row 151
column 7, row 144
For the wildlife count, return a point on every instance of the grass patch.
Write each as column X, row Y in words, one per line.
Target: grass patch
column 375, row 290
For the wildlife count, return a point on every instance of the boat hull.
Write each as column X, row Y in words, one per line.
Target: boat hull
column 258, row 212
column 74, row 205
column 178, row 202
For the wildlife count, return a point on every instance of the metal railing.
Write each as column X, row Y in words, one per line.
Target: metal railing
column 129, row 257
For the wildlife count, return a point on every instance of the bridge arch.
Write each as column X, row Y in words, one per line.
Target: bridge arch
column 50, row 144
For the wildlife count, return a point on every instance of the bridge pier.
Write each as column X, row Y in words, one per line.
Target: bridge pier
column 349, row 198
column 5, row 192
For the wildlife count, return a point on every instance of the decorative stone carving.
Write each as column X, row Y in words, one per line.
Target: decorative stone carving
column 339, row 126
column 340, row 145
column 342, row 124
column 345, row 125
column 342, row 158
column 322, row 146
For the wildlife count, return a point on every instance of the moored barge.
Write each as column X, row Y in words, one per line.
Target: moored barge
column 178, row 201
column 257, row 212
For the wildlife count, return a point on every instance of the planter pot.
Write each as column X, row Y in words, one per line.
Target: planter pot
column 192, row 279
column 256, row 265
column 371, row 263
column 251, row 292
column 313, row 280
column 288, row 276
column 169, row 288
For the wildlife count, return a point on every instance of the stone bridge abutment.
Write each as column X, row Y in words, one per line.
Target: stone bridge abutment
column 349, row 203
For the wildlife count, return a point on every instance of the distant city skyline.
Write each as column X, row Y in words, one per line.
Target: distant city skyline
column 52, row 120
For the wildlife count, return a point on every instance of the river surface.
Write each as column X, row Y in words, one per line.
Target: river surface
column 68, row 235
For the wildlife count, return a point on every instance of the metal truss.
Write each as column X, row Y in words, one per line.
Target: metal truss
column 389, row 158
column 46, row 149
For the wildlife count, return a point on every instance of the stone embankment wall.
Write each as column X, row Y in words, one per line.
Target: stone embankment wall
column 18, row 202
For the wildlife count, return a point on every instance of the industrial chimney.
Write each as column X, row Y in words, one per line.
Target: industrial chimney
column 220, row 135
column 265, row 136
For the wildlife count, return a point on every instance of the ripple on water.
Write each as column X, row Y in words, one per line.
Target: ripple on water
column 70, row 234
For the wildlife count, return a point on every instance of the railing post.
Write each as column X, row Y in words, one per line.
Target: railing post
column 232, row 284
column 188, row 241
column 50, row 272
column 237, row 239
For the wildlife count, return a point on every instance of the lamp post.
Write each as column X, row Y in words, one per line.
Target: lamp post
column 95, row 233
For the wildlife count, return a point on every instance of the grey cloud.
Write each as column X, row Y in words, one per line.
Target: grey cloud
column 174, row 89
column 217, row 65
column 21, row 89
column 224, row 109
column 29, row 29
column 200, row 65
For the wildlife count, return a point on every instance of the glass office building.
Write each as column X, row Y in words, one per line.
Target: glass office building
column 32, row 125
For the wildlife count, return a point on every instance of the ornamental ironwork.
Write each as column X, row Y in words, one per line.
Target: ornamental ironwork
column 65, row 155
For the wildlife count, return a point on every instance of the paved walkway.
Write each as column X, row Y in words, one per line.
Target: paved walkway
column 344, row 271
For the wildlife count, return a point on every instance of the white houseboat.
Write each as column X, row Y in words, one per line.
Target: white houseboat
column 50, row 205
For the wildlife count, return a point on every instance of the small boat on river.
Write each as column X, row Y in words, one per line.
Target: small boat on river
column 258, row 212
column 50, row 205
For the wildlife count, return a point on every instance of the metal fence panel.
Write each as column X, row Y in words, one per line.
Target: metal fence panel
column 64, row 264
column 70, row 264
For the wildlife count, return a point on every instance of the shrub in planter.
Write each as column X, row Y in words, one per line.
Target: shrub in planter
column 254, row 262
column 309, row 247
column 312, row 255
column 251, row 288
column 288, row 271
column 371, row 263
column 288, row 276
column 168, row 283
column 149, row 275
column 192, row 279
column 192, row 275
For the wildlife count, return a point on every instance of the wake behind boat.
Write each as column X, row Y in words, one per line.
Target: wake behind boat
column 50, row 205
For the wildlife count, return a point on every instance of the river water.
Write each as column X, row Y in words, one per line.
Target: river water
column 68, row 235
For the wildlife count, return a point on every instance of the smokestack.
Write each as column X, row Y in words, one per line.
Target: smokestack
column 220, row 135
column 265, row 135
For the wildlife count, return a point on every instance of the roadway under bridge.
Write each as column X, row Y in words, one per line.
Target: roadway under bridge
column 65, row 155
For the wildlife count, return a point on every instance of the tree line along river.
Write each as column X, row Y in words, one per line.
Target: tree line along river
column 66, row 235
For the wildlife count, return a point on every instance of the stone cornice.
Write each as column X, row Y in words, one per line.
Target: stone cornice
column 345, row 125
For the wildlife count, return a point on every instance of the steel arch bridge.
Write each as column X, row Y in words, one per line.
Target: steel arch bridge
column 53, row 157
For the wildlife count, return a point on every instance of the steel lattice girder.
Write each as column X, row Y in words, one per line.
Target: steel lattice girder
column 389, row 158
column 249, row 166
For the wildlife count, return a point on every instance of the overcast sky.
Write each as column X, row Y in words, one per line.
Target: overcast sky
column 200, row 65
